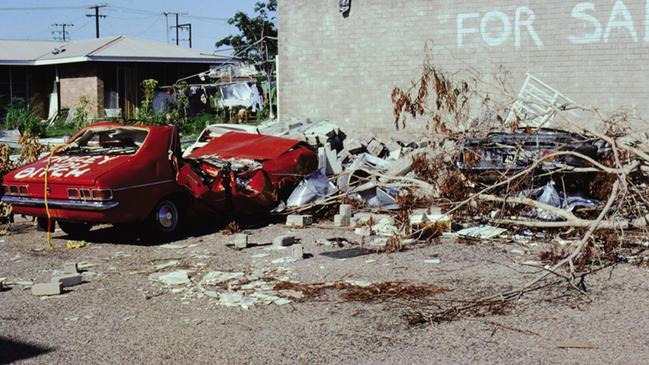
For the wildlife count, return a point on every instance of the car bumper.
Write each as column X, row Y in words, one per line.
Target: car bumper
column 60, row 204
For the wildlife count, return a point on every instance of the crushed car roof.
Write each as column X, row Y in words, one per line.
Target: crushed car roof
column 245, row 145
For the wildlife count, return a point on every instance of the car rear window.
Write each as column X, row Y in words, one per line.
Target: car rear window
column 107, row 141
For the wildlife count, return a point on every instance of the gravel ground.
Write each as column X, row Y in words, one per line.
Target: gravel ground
column 119, row 315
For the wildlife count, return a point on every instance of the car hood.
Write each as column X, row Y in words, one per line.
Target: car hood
column 78, row 170
column 245, row 146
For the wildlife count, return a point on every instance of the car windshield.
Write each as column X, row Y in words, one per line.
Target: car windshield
column 107, row 141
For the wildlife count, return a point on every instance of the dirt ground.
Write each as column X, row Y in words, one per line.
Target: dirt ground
column 119, row 315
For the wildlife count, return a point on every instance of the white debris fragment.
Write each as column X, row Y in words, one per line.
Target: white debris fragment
column 481, row 232
column 217, row 277
column 341, row 220
column 165, row 265
column 179, row 277
column 295, row 220
column 283, row 240
column 433, row 261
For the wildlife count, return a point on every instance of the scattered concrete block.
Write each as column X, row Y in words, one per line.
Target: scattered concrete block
column 393, row 145
column 2, row 282
column 354, row 146
column 345, row 210
column 375, row 148
column 41, row 289
column 70, row 268
column 378, row 243
column 68, row 280
column 322, row 160
column 295, row 220
column 284, row 240
column 333, row 164
column 342, row 220
column 343, row 155
column 363, row 231
column 240, row 240
column 297, row 252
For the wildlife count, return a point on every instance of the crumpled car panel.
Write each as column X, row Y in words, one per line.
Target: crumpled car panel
column 241, row 173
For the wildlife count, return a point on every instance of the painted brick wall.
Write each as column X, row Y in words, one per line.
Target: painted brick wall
column 344, row 69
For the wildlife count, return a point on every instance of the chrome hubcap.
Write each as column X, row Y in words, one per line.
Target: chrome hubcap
column 167, row 216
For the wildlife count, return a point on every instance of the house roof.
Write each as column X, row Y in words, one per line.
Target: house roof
column 108, row 49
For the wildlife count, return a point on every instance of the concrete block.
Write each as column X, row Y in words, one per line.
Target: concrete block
column 41, row 289
column 2, row 282
column 297, row 252
column 70, row 268
column 345, row 210
column 295, row 220
column 363, row 231
column 343, row 155
column 378, row 243
column 375, row 148
column 333, row 164
column 240, row 240
column 322, row 161
column 284, row 240
column 342, row 220
column 68, row 280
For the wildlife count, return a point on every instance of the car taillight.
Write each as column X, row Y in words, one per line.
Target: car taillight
column 85, row 194
column 102, row 195
column 21, row 190
column 13, row 190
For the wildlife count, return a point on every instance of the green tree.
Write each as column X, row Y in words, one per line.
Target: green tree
column 251, row 31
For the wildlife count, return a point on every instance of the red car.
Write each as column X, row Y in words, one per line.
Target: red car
column 114, row 173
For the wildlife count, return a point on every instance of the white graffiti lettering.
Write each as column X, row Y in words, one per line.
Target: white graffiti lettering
column 528, row 23
column 461, row 30
column 626, row 21
column 495, row 28
column 66, row 166
column 503, row 30
column 579, row 12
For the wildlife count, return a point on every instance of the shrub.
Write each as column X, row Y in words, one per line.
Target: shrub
column 18, row 116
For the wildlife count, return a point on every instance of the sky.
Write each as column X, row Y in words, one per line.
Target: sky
column 136, row 18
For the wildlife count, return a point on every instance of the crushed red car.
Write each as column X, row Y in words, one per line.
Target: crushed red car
column 113, row 173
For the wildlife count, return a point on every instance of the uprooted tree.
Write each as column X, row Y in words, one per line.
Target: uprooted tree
column 460, row 105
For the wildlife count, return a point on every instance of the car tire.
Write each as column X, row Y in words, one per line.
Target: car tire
column 75, row 230
column 42, row 225
column 166, row 219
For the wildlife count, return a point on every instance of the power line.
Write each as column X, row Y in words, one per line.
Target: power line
column 61, row 35
column 43, row 8
column 96, row 16
column 186, row 26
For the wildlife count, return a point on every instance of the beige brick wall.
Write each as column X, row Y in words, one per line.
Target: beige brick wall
column 344, row 69
column 81, row 80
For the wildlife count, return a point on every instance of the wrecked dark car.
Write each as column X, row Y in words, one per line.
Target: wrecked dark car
column 118, row 174
column 500, row 153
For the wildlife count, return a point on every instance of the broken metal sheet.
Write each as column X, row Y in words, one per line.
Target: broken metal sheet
column 309, row 190
column 481, row 232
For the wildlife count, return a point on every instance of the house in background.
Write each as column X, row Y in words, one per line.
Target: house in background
column 108, row 71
